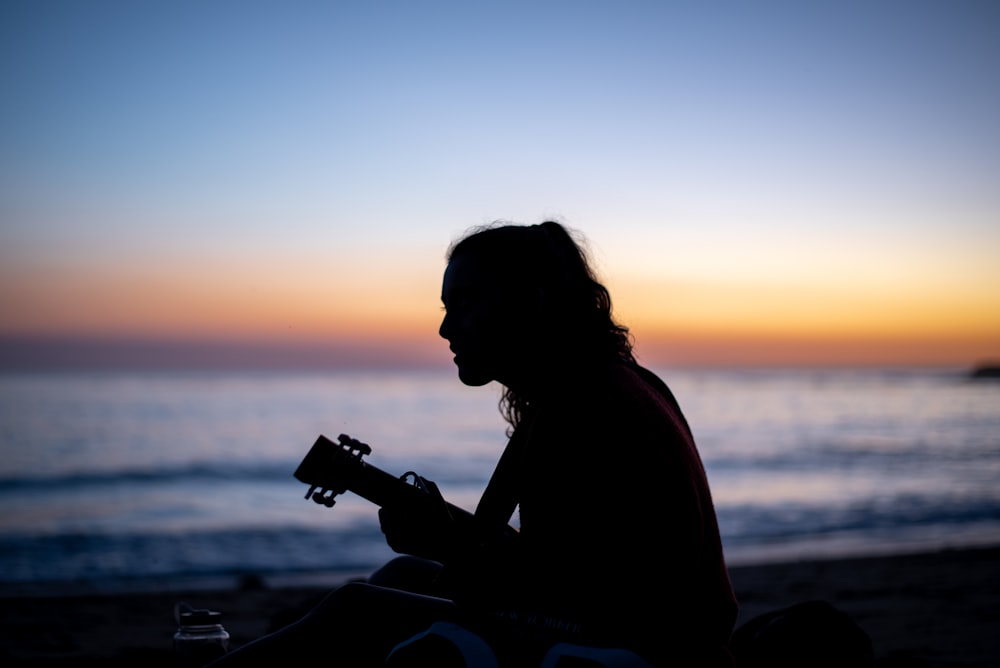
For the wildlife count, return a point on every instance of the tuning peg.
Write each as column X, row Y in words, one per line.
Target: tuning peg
column 325, row 498
column 355, row 445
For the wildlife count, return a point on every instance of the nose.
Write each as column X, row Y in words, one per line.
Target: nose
column 444, row 328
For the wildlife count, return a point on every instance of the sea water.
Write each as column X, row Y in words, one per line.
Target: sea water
column 130, row 479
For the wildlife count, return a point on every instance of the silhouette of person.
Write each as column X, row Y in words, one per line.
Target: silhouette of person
column 618, row 545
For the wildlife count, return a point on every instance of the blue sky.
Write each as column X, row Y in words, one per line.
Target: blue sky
column 715, row 154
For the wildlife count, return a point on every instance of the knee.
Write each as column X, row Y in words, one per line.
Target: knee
column 343, row 597
column 408, row 574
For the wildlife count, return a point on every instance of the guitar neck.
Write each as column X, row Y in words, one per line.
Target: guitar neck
column 381, row 488
column 335, row 468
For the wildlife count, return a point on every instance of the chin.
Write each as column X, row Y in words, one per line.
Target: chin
column 474, row 377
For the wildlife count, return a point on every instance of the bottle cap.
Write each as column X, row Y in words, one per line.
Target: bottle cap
column 199, row 617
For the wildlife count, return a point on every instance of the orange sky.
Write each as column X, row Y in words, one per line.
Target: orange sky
column 355, row 313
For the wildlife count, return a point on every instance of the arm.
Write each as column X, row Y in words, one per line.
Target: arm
column 414, row 516
column 429, row 527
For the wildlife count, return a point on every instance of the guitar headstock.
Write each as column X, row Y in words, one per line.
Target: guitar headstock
column 329, row 467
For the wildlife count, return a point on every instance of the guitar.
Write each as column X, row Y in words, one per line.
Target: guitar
column 332, row 468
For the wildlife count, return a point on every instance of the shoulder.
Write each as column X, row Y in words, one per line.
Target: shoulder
column 636, row 392
column 619, row 399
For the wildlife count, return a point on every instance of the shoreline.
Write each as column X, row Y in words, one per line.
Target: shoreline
column 806, row 551
column 927, row 609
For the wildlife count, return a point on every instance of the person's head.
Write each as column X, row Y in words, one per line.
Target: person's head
column 522, row 302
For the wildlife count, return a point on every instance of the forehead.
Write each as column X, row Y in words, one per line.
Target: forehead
column 465, row 275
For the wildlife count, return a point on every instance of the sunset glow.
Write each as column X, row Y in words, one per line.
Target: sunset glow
column 795, row 185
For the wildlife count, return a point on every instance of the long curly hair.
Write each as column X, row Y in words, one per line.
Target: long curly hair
column 546, row 260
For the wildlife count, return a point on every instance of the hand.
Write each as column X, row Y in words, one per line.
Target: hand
column 425, row 529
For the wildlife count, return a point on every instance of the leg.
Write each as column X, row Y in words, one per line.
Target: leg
column 355, row 625
column 411, row 574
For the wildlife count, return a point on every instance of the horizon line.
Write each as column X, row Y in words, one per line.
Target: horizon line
column 109, row 353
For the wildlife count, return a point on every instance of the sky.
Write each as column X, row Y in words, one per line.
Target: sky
column 276, row 183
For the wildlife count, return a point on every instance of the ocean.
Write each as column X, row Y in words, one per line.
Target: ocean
column 129, row 480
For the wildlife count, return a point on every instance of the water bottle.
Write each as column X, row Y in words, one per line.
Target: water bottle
column 200, row 637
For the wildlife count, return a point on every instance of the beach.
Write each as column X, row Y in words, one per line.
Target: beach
column 928, row 609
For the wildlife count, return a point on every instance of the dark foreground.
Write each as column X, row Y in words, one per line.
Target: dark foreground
column 940, row 609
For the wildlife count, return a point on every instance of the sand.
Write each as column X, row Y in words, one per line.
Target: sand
column 940, row 609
